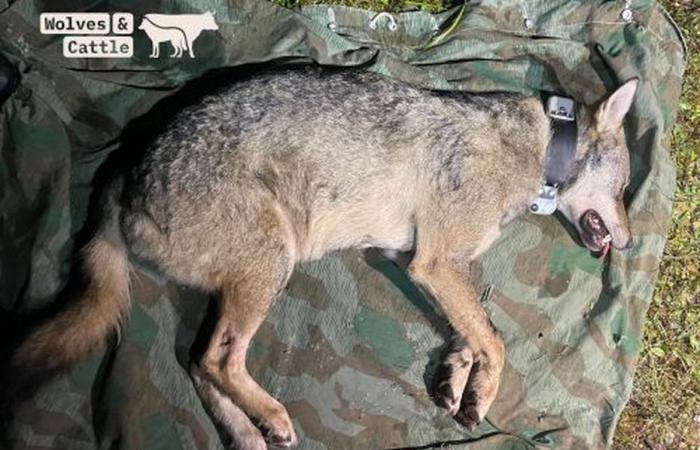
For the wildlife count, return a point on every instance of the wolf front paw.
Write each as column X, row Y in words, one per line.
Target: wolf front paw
column 468, row 416
column 467, row 382
column 278, row 428
column 452, row 377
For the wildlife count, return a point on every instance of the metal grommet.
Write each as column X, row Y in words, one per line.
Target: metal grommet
column 332, row 25
column 627, row 15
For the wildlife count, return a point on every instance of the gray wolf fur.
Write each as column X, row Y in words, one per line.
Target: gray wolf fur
column 287, row 167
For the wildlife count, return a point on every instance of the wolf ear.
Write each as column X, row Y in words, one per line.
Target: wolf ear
column 612, row 111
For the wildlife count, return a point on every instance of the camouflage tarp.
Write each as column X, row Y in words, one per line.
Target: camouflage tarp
column 350, row 346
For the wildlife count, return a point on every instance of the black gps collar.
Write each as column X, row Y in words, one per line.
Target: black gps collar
column 560, row 153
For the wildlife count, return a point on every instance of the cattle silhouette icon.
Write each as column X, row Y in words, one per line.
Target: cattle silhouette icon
column 180, row 30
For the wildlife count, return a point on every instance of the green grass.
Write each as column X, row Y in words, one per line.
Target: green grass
column 664, row 410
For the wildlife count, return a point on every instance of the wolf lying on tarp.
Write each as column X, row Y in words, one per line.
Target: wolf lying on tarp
column 286, row 167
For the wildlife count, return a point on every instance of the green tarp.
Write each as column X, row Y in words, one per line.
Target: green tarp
column 351, row 345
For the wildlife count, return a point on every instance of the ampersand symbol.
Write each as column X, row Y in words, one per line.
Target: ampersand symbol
column 122, row 24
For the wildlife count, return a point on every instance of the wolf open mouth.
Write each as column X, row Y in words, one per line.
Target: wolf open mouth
column 594, row 233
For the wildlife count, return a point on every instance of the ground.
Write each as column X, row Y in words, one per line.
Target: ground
column 664, row 411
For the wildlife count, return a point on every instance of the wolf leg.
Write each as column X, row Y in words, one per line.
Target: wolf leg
column 177, row 48
column 478, row 360
column 242, row 308
column 244, row 435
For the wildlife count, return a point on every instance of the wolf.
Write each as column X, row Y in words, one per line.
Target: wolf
column 288, row 166
column 158, row 34
column 180, row 29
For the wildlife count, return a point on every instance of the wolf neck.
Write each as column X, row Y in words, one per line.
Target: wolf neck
column 524, row 160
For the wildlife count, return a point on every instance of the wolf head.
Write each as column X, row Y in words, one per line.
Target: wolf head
column 209, row 23
column 593, row 200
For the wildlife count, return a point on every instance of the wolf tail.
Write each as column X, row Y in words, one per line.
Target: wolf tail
column 87, row 320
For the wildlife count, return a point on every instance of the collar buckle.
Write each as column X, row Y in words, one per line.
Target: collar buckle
column 561, row 108
column 546, row 201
